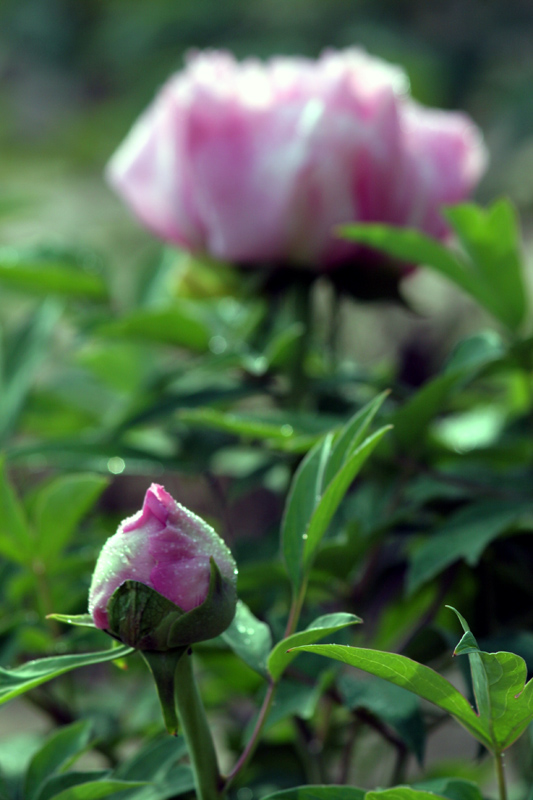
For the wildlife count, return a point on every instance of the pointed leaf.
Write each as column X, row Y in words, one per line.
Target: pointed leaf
column 59, row 751
column 21, row 679
column 402, row 793
column 334, row 494
column 82, row 620
column 304, row 495
column 176, row 325
column 408, row 674
column 279, row 658
column 94, row 790
column 352, row 435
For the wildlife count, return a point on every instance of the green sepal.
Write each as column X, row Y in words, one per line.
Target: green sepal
column 82, row 620
column 163, row 667
column 142, row 618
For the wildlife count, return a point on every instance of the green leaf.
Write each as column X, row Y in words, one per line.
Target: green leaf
column 59, row 507
column 243, row 425
column 474, row 275
column 21, row 679
column 408, row 674
column 318, row 793
column 304, row 495
column 331, row 498
column 58, row 783
column 452, row 788
column 176, row 325
column 504, row 700
column 249, row 638
column 280, row 350
column 152, row 760
column 402, row 793
column 492, row 240
column 94, row 790
column 279, row 658
column 46, row 276
column 58, row 752
column 25, row 353
column 464, row 535
column 16, row 541
column 352, row 435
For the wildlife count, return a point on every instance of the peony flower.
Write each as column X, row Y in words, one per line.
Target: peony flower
column 163, row 553
column 257, row 163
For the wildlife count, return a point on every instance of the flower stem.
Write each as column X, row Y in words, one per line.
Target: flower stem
column 207, row 779
column 298, row 389
column 500, row 774
column 247, row 753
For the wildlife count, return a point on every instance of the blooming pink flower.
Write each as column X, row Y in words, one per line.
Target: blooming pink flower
column 256, row 163
column 164, row 546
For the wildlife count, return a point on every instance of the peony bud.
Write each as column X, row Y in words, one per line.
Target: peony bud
column 257, row 163
column 165, row 580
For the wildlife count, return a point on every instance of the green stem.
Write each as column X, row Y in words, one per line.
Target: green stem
column 500, row 774
column 193, row 721
column 253, row 741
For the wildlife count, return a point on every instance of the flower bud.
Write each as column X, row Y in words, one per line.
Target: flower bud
column 165, row 580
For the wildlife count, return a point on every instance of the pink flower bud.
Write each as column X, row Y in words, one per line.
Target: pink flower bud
column 167, row 548
column 257, row 163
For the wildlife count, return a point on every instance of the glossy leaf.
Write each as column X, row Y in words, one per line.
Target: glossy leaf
column 504, row 699
column 331, row 498
column 408, row 674
column 14, row 682
column 249, row 638
column 402, row 793
column 279, row 658
column 81, row 620
column 59, row 751
column 304, row 495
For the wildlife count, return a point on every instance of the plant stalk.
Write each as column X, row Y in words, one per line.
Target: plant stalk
column 191, row 712
column 298, row 390
column 500, row 774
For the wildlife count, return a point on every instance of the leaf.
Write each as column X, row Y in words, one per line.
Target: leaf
column 176, row 325
column 15, row 538
column 464, row 535
column 94, row 790
column 452, row 788
column 59, row 507
column 154, row 758
column 244, row 425
column 21, row 679
column 58, row 783
column 24, row 356
column 505, row 701
column 491, row 239
column 352, row 435
column 408, row 674
column 402, row 793
column 490, row 243
column 319, row 793
column 279, row 658
column 304, row 495
column 249, row 638
column 46, row 276
column 334, row 494
column 58, row 751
